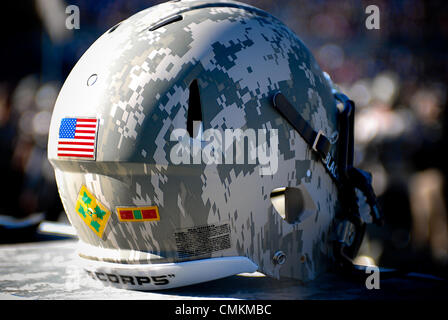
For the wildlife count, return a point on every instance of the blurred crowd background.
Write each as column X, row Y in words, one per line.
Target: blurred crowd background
column 397, row 76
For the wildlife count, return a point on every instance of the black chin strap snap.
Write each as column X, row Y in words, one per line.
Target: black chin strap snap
column 316, row 140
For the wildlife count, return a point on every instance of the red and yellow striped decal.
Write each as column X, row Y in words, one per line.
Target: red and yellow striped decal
column 138, row 214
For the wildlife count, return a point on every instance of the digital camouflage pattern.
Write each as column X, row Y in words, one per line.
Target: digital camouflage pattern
column 240, row 57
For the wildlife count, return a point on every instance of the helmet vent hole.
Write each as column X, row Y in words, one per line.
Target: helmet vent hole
column 114, row 28
column 294, row 205
column 166, row 22
column 194, row 115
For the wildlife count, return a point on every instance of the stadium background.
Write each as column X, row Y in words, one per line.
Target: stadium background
column 397, row 76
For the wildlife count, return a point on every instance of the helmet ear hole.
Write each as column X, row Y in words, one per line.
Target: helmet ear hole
column 294, row 205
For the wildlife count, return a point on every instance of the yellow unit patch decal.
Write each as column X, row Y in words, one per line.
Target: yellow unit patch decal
column 136, row 214
column 91, row 211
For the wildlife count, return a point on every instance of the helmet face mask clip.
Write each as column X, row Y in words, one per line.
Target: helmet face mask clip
column 209, row 144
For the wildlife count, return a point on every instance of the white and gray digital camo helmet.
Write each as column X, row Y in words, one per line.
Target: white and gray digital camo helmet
column 197, row 140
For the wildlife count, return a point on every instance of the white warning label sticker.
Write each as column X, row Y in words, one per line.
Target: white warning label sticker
column 202, row 240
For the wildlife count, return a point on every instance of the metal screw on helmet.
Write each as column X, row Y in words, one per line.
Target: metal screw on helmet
column 279, row 258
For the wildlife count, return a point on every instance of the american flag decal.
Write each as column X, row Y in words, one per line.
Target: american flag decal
column 77, row 138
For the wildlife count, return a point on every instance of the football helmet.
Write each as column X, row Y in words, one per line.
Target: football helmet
column 197, row 140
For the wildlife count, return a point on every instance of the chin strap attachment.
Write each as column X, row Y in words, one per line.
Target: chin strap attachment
column 352, row 179
column 351, row 225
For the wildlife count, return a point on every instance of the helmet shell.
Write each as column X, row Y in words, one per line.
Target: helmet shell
column 136, row 82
